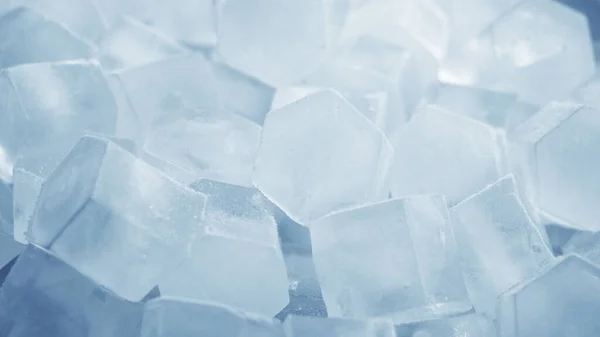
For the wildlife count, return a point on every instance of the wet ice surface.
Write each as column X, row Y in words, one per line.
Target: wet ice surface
column 380, row 168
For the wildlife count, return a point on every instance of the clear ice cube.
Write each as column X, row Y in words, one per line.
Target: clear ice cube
column 130, row 43
column 395, row 258
column 303, row 326
column 115, row 218
column 277, row 42
column 556, row 157
column 27, row 36
column 442, row 152
column 167, row 317
column 498, row 244
column 564, row 301
column 250, row 272
column 44, row 296
column 470, row 325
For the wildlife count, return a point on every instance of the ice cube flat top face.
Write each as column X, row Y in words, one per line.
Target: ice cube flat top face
column 319, row 155
column 27, row 36
column 251, row 273
column 224, row 146
column 442, row 152
column 277, row 42
column 302, row 326
column 562, row 302
column 568, row 167
column 44, row 296
column 544, row 39
column 498, row 244
column 409, row 274
column 166, row 317
column 143, row 222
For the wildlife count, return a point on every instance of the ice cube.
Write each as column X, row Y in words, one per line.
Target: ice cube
column 302, row 326
column 585, row 244
column 128, row 122
column 186, row 88
column 115, row 218
column 43, row 296
column 167, row 317
column 442, row 152
column 556, row 159
column 277, row 42
column 9, row 248
column 250, row 272
column 395, row 258
column 26, row 36
column 564, row 301
column 589, row 92
column 320, row 155
column 130, row 43
column 470, row 325
column 224, row 147
column 498, row 244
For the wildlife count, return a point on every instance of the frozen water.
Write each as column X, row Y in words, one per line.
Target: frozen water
column 81, row 17
column 277, row 42
column 186, row 88
column 9, row 248
column 189, row 21
column 471, row 325
column 442, row 152
column 115, row 218
column 501, row 110
column 130, row 43
column 167, row 317
column 585, row 244
column 564, row 301
column 558, row 237
column 540, row 50
column 26, row 36
column 128, row 122
column 395, row 259
column 498, row 244
column 371, row 66
column 557, row 155
column 589, row 92
column 302, row 326
column 224, row 146
column 250, row 272
column 43, row 296
column 320, row 155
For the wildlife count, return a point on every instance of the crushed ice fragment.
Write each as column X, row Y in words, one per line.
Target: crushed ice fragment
column 167, row 317
column 44, row 296
column 115, row 218
column 498, row 244
column 320, row 155
column 442, row 152
column 395, row 259
column 303, row 326
column 239, row 229
column 556, row 158
column 564, row 301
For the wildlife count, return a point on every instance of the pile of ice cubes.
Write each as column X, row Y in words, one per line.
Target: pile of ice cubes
column 298, row 168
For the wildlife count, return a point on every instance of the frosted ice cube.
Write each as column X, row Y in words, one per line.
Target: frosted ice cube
column 395, row 259
column 186, row 88
column 250, row 272
column 224, row 146
column 115, row 218
column 302, row 326
column 442, row 152
column 26, row 36
column 585, row 244
column 43, row 296
column 278, row 42
column 166, row 317
column 498, row 244
column 319, row 155
column 81, row 17
column 471, row 325
column 564, row 301
column 130, row 43
column 556, row 158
